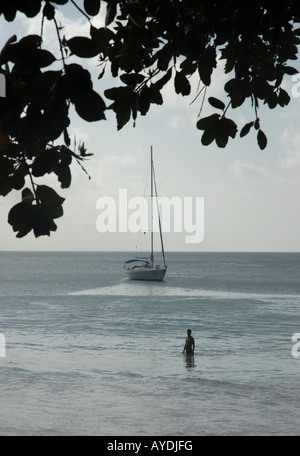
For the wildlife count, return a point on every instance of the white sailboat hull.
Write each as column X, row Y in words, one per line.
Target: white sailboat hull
column 142, row 273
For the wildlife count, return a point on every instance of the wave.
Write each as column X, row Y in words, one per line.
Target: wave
column 131, row 289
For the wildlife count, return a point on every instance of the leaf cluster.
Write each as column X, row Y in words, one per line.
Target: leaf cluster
column 155, row 42
column 145, row 44
column 36, row 212
column 35, row 113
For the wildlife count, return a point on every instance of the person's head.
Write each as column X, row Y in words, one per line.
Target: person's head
column 189, row 332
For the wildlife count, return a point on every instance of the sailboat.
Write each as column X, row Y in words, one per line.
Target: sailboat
column 144, row 268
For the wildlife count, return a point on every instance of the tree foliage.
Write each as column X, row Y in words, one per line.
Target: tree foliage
column 145, row 44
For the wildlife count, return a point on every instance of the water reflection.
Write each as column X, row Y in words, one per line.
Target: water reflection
column 189, row 361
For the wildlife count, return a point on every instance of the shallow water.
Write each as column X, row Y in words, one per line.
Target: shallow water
column 90, row 353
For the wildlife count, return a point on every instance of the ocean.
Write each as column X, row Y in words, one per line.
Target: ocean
column 87, row 352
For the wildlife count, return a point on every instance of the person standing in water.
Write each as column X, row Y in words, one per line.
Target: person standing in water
column 189, row 346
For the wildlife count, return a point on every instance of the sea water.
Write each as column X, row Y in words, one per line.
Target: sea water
column 88, row 352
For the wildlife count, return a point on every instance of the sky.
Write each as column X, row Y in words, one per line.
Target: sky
column 251, row 197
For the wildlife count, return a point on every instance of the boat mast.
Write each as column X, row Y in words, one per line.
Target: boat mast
column 151, row 256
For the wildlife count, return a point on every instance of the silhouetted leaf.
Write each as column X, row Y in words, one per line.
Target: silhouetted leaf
column 4, row 55
column 67, row 137
column 92, row 7
column 222, row 141
column 163, row 81
column 89, row 106
column 123, row 103
column 83, row 47
column 42, row 222
column 45, row 162
column 188, row 66
column 45, row 83
column 225, row 128
column 246, row 128
column 27, row 195
column 28, row 54
column 261, row 139
column 21, row 218
column 257, row 124
column 163, row 56
column 155, row 95
column 132, row 78
column 76, row 79
column 208, row 136
column 101, row 38
column 49, row 11
column 115, row 92
column 30, row 8
column 144, row 100
column 290, row 70
column 48, row 197
column 43, row 58
column 55, row 118
column 137, row 14
column 123, row 116
column 218, row 104
column 17, row 180
column 236, row 91
column 102, row 72
column 5, row 183
column 283, row 98
column 111, row 11
column 9, row 10
column 182, row 84
column 207, row 122
column 206, row 64
column 64, row 174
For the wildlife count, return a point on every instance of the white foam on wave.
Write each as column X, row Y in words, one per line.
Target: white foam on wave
column 152, row 289
column 137, row 289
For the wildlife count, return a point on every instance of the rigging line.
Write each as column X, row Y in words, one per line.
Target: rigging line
column 159, row 221
column 151, row 206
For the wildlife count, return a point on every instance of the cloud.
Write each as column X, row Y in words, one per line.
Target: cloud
column 293, row 161
column 175, row 122
column 291, row 144
column 74, row 25
column 248, row 171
